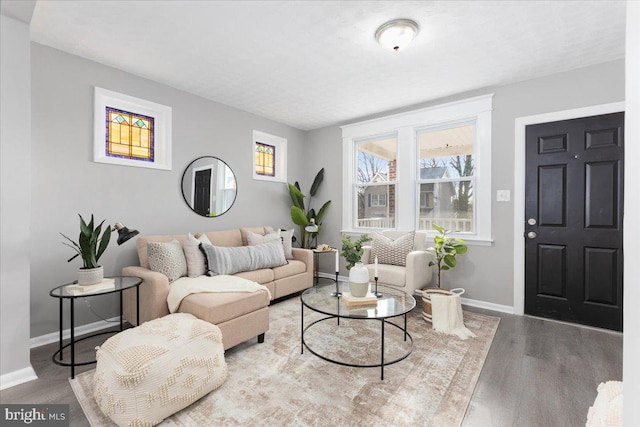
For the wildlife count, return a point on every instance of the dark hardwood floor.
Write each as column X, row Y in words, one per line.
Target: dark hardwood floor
column 537, row 373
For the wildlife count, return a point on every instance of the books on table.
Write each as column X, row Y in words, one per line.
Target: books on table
column 106, row 284
column 349, row 299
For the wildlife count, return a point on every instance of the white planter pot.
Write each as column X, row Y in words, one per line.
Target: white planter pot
column 358, row 280
column 90, row 276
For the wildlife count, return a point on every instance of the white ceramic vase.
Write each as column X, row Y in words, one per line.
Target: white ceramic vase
column 90, row 276
column 358, row 280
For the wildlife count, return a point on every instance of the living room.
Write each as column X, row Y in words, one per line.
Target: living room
column 48, row 106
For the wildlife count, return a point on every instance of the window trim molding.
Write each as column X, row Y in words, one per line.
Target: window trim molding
column 280, row 156
column 162, row 128
column 406, row 126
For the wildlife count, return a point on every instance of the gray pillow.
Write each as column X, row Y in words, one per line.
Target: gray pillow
column 231, row 260
column 167, row 258
column 196, row 263
column 393, row 252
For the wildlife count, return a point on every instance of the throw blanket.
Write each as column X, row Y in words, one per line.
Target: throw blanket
column 185, row 286
column 447, row 316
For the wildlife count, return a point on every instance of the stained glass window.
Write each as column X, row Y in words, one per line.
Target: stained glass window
column 129, row 135
column 265, row 159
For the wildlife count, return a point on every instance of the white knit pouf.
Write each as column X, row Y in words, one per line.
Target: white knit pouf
column 148, row 373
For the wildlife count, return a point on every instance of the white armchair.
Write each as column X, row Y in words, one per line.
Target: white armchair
column 415, row 275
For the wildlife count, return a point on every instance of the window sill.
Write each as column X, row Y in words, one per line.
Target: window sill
column 470, row 240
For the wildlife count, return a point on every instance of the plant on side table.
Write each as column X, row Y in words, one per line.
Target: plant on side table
column 304, row 218
column 90, row 247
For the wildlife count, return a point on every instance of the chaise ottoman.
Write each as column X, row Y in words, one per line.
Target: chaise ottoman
column 148, row 373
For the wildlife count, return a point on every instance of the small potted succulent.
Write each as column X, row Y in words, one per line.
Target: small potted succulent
column 90, row 247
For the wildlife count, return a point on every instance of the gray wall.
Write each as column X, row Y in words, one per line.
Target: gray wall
column 485, row 272
column 15, row 177
column 66, row 181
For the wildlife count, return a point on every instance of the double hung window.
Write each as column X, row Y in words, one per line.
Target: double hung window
column 412, row 170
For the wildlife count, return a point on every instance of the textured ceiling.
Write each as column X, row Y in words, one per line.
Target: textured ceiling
column 313, row 64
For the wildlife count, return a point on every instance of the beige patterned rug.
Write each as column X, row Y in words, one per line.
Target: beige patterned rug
column 272, row 384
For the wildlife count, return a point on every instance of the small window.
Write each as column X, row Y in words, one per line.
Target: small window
column 269, row 157
column 265, row 159
column 129, row 135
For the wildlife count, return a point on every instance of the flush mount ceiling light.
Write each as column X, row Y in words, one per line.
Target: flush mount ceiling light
column 396, row 34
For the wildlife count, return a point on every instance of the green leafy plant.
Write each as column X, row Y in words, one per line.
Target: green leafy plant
column 352, row 251
column 302, row 216
column 90, row 245
column 446, row 249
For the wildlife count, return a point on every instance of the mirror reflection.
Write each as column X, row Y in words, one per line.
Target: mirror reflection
column 209, row 186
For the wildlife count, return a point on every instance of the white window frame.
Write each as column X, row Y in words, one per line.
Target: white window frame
column 405, row 126
column 280, row 145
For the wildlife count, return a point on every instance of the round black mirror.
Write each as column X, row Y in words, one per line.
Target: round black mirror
column 209, row 186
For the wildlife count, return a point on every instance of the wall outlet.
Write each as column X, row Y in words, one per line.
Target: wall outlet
column 503, row 196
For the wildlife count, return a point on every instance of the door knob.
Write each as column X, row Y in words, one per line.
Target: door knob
column 531, row 234
column 531, row 221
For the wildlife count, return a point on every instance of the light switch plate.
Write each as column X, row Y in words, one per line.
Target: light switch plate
column 503, row 196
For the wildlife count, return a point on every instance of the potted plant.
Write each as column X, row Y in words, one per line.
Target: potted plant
column 304, row 218
column 358, row 273
column 446, row 250
column 90, row 247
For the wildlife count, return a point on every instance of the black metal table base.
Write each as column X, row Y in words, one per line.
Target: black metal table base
column 381, row 365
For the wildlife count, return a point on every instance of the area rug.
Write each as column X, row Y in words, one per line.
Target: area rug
column 273, row 384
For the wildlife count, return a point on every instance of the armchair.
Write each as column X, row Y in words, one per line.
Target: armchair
column 415, row 275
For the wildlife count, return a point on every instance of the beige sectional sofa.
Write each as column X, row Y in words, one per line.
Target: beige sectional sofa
column 239, row 315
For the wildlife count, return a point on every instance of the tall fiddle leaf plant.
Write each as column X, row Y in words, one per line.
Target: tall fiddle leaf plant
column 446, row 249
column 301, row 215
column 90, row 245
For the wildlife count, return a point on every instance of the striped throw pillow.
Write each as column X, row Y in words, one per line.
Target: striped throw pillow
column 392, row 252
column 231, row 260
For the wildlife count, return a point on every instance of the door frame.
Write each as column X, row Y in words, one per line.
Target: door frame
column 519, row 184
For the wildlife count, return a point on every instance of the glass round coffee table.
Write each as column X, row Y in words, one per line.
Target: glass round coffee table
column 392, row 303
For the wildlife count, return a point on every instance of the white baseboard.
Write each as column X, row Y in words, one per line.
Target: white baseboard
column 17, row 377
column 80, row 330
column 487, row 305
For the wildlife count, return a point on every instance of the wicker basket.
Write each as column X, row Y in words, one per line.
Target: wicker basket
column 426, row 298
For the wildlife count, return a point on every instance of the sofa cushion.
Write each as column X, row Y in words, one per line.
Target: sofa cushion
column 196, row 262
column 291, row 269
column 395, row 275
column 221, row 260
column 262, row 276
column 222, row 306
column 167, row 258
column 392, row 251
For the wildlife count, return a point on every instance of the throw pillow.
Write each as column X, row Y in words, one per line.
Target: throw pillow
column 254, row 239
column 196, row 262
column 389, row 251
column 287, row 239
column 167, row 258
column 231, row 260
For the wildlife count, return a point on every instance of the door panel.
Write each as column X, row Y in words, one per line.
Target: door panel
column 573, row 223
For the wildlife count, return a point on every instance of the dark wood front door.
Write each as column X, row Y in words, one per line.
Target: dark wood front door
column 202, row 192
column 573, row 223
